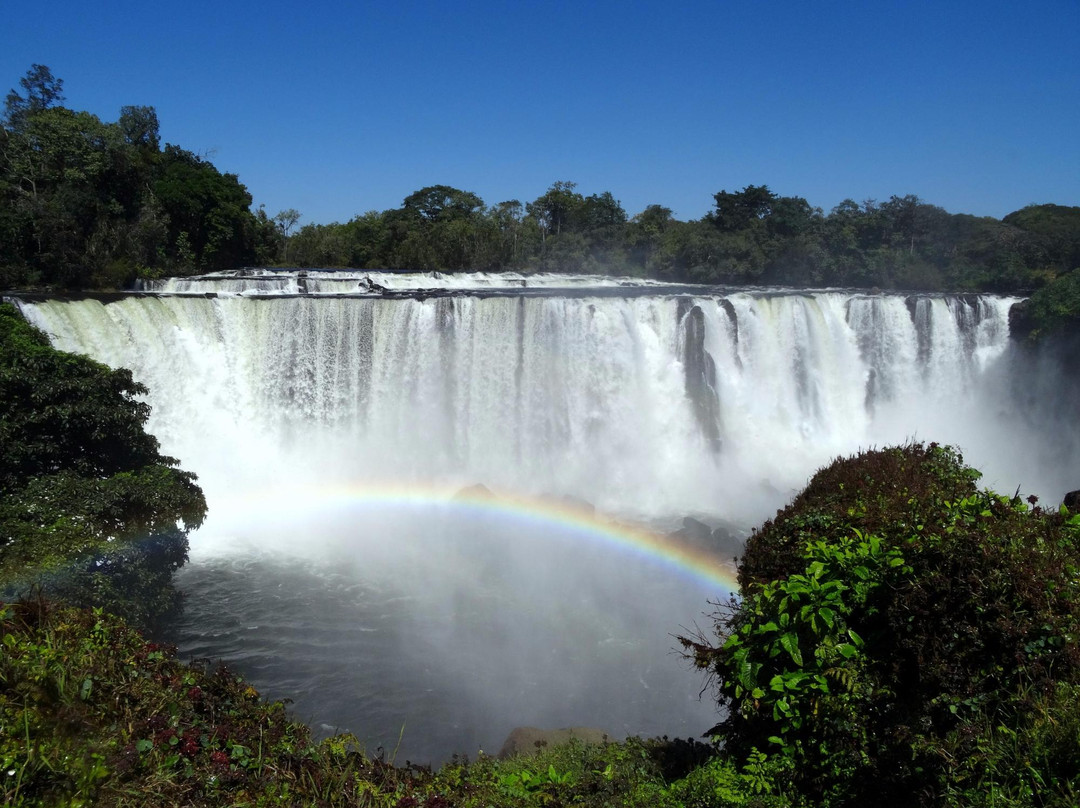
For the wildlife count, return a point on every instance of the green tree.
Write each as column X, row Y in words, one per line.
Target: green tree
column 442, row 203
column 645, row 236
column 140, row 126
column 508, row 219
column 211, row 208
column 1057, row 231
column 42, row 89
column 285, row 221
column 557, row 210
column 1052, row 311
column 89, row 508
column 739, row 210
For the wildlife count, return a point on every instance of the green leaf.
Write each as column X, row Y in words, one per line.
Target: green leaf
column 144, row 745
column 791, row 644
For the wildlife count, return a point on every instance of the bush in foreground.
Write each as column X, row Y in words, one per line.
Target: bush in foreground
column 906, row 638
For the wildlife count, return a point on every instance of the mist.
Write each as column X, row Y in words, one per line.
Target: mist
column 332, row 417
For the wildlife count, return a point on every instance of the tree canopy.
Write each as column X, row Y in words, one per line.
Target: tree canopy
column 85, row 203
column 90, row 510
column 90, row 204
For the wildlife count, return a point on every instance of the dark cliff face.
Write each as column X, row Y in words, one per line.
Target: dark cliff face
column 1044, row 384
column 701, row 374
column 1026, row 328
column 1021, row 323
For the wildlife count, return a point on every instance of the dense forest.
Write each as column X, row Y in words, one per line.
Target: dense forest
column 90, row 204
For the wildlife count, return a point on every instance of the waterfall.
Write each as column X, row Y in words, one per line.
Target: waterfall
column 646, row 403
column 301, row 398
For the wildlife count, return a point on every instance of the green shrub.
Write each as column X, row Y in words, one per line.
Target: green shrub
column 892, row 619
column 1053, row 309
column 90, row 511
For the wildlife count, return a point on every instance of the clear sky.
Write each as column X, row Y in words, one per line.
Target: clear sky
column 336, row 108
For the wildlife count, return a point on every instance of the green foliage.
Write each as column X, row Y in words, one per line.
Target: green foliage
column 1052, row 310
column 92, row 714
column 903, row 633
column 42, row 89
column 89, row 509
column 84, row 203
column 1055, row 232
column 208, row 214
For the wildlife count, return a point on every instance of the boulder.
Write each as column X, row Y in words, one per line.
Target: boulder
column 571, row 502
column 1072, row 501
column 529, row 740
column 473, row 492
column 728, row 542
column 694, row 531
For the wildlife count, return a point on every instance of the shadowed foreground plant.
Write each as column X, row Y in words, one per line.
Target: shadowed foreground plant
column 897, row 629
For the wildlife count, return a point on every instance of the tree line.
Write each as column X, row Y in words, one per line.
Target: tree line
column 85, row 203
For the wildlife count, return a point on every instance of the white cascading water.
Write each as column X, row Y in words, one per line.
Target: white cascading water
column 650, row 402
column 564, row 395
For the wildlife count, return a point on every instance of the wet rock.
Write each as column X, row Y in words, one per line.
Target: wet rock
column 701, row 387
column 478, row 491
column 1072, row 501
column 727, row 542
column 694, row 531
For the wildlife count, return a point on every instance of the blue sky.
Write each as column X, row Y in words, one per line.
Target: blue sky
column 336, row 108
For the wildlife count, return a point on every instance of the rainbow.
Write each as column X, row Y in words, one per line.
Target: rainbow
column 535, row 513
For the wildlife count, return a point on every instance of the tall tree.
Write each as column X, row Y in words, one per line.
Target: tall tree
column 440, row 203
column 285, row 220
column 740, row 209
column 140, row 126
column 43, row 90
column 559, row 209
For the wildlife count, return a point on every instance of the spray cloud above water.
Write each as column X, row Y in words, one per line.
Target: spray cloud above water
column 648, row 402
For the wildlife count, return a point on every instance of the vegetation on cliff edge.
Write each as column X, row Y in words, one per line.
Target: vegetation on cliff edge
column 90, row 510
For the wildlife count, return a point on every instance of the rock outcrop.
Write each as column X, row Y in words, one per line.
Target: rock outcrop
column 1072, row 501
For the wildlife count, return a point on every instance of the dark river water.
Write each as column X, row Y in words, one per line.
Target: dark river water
column 450, row 634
